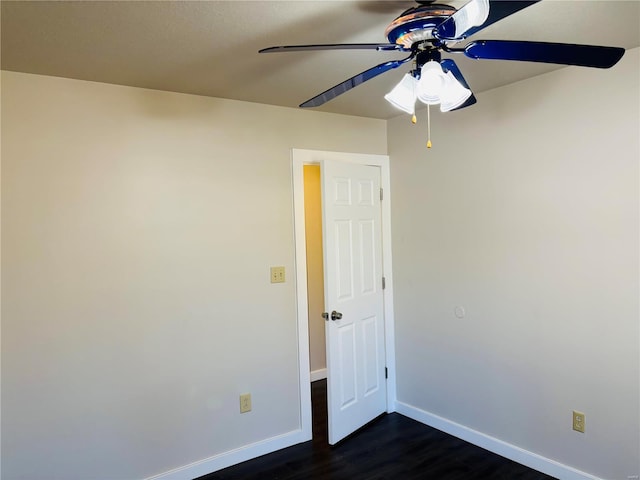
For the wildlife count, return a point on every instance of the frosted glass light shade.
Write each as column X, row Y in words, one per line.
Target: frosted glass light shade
column 453, row 94
column 403, row 95
column 432, row 81
column 473, row 14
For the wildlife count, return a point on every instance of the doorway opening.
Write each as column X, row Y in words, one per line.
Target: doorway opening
column 300, row 158
column 315, row 300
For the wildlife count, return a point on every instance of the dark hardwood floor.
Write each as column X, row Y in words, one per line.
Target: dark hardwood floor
column 391, row 447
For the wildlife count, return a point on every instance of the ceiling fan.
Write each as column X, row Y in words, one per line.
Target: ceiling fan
column 425, row 30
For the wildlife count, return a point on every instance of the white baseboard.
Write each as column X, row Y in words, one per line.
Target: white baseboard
column 233, row 457
column 504, row 449
column 318, row 374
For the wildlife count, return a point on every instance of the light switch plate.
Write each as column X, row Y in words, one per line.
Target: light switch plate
column 277, row 274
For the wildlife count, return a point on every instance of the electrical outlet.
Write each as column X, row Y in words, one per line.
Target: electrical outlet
column 277, row 274
column 578, row 421
column 245, row 403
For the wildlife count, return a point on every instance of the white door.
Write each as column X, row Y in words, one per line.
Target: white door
column 352, row 239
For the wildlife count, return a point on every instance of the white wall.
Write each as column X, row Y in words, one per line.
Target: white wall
column 138, row 228
column 525, row 212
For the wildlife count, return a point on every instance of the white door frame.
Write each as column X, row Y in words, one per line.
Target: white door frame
column 300, row 158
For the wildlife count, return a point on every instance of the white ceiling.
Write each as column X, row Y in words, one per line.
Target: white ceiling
column 210, row 47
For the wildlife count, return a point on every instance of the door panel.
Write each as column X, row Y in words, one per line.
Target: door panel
column 347, row 363
column 367, row 257
column 343, row 259
column 370, row 346
column 353, row 277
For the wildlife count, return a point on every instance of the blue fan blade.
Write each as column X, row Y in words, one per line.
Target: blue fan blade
column 353, row 82
column 560, row 53
column 498, row 9
column 335, row 46
column 449, row 65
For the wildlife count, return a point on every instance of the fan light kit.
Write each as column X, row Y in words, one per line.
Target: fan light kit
column 427, row 30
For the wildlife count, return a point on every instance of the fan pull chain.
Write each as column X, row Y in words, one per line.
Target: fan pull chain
column 414, row 119
column 428, row 126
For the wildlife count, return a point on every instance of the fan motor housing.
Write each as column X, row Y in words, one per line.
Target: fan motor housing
column 417, row 24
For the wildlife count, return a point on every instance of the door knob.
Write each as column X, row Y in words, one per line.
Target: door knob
column 334, row 315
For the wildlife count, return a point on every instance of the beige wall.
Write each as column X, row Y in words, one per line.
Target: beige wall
column 315, row 275
column 138, row 228
column 525, row 212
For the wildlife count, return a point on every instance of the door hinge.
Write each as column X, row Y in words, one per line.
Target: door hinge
column 384, row 283
column 386, row 372
column 381, row 194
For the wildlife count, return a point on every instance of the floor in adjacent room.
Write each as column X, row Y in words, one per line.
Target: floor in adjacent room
column 391, row 447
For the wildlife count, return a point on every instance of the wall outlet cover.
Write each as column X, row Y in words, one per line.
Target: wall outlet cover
column 245, row 403
column 578, row 421
column 277, row 275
